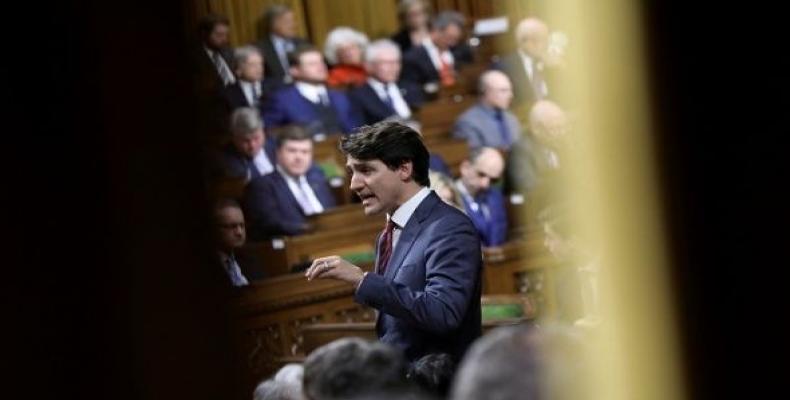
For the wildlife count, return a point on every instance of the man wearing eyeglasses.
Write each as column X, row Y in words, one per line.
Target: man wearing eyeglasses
column 483, row 201
column 231, row 236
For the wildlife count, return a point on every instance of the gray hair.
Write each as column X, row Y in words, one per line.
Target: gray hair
column 351, row 367
column 277, row 390
column 376, row 47
column 447, row 18
column 340, row 36
column 522, row 362
column 243, row 53
column 245, row 121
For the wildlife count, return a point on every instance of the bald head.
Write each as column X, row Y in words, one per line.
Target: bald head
column 532, row 36
column 547, row 121
column 495, row 89
column 484, row 166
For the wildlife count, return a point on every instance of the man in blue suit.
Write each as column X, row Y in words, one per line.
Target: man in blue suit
column 483, row 202
column 308, row 102
column 278, row 203
column 426, row 282
column 249, row 154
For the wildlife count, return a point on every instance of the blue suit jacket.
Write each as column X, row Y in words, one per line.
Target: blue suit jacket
column 288, row 106
column 429, row 297
column 494, row 231
column 272, row 210
column 237, row 165
column 373, row 109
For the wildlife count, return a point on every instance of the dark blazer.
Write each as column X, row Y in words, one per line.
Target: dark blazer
column 288, row 106
column 235, row 98
column 251, row 268
column 494, row 231
column 429, row 297
column 372, row 109
column 273, row 68
column 523, row 91
column 419, row 69
column 272, row 210
column 237, row 165
column 403, row 39
column 205, row 70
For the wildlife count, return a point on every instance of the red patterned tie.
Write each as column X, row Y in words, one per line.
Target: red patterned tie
column 446, row 74
column 385, row 247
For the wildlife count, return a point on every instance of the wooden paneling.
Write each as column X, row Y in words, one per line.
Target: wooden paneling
column 376, row 18
column 246, row 16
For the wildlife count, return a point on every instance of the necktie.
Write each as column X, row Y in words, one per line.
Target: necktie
column 538, row 84
column 388, row 100
column 255, row 95
column 385, row 247
column 303, row 200
column 235, row 272
column 323, row 98
column 502, row 127
column 446, row 74
column 222, row 69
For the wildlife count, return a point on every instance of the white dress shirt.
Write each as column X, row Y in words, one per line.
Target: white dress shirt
column 249, row 89
column 233, row 270
column 398, row 103
column 403, row 214
column 298, row 186
column 434, row 53
column 473, row 204
column 262, row 162
column 312, row 92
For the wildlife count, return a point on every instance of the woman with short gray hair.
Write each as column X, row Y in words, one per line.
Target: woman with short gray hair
column 343, row 50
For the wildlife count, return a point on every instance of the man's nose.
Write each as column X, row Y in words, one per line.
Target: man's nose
column 355, row 183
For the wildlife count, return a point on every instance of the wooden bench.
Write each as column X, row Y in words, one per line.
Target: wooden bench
column 270, row 314
column 452, row 151
column 437, row 117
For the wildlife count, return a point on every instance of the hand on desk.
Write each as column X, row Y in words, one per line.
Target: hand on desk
column 334, row 267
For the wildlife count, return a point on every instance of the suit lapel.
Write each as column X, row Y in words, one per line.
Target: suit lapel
column 409, row 235
column 286, row 195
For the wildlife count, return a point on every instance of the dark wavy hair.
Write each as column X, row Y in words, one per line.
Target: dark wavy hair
column 391, row 142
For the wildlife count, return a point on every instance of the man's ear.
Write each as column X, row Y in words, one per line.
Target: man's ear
column 406, row 171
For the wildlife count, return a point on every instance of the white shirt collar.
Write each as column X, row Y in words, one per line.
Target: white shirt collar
column 398, row 102
column 402, row 215
column 311, row 91
column 433, row 52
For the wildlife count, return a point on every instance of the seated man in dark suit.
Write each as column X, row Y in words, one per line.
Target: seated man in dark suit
column 308, row 102
column 438, row 59
column 231, row 236
column 249, row 155
column 382, row 97
column 484, row 203
column 278, row 203
column 250, row 89
column 489, row 123
column 280, row 39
